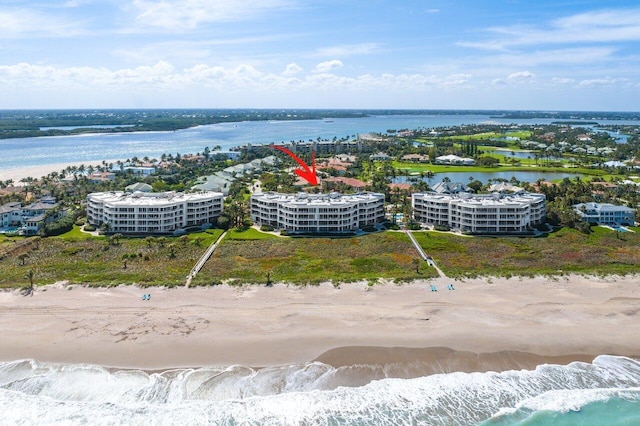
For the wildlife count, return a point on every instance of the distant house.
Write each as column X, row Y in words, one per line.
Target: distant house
column 416, row 158
column 380, row 156
column 605, row 214
column 450, row 188
column 338, row 163
column 139, row 170
column 101, row 176
column 10, row 214
column 29, row 219
column 139, row 186
column 350, row 182
column 454, row 159
column 614, row 163
column 218, row 182
column 505, row 187
column 406, row 187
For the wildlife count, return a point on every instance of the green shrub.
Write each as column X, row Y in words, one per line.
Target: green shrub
column 60, row 226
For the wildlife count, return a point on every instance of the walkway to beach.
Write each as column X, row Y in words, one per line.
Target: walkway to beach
column 423, row 255
column 207, row 254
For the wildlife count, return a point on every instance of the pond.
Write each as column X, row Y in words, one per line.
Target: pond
column 464, row 177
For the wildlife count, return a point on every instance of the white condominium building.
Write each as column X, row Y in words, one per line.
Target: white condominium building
column 309, row 213
column 479, row 214
column 152, row 213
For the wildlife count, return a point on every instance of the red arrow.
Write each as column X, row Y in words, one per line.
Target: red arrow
column 307, row 173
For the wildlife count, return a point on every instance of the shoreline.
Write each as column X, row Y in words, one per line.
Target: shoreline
column 37, row 172
column 492, row 323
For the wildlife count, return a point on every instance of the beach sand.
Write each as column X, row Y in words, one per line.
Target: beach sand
column 36, row 172
column 484, row 324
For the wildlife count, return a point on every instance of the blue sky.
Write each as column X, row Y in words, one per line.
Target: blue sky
column 480, row 54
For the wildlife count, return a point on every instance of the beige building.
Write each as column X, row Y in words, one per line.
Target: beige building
column 152, row 213
column 315, row 213
column 480, row 214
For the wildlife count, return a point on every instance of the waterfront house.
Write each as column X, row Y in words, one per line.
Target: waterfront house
column 605, row 214
column 455, row 160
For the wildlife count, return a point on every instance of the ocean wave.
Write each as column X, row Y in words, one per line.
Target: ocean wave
column 313, row 393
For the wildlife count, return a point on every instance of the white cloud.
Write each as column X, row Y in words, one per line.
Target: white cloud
column 347, row 50
column 324, row 67
column 164, row 75
column 189, row 14
column 243, row 84
column 587, row 56
column 602, row 82
column 515, row 78
column 18, row 23
column 604, row 26
column 432, row 10
column 562, row 80
column 292, row 69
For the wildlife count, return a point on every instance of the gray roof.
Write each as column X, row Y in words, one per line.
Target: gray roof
column 139, row 186
column 602, row 207
column 450, row 188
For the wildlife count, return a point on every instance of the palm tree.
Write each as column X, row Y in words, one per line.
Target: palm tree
column 28, row 290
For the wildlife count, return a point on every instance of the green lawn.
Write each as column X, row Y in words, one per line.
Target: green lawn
column 77, row 235
column 249, row 234
column 522, row 134
column 205, row 238
column 440, row 168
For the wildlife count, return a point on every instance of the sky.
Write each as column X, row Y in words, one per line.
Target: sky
column 375, row 54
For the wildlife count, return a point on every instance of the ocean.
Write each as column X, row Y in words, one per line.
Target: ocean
column 604, row 392
column 94, row 148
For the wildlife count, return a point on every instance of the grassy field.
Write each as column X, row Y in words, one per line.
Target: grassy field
column 246, row 257
column 249, row 234
column 82, row 258
column 440, row 168
column 523, row 134
column 313, row 260
column 567, row 250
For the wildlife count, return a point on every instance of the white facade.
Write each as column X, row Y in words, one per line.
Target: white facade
column 11, row 214
column 29, row 219
column 309, row 213
column 152, row 213
column 454, row 159
column 479, row 214
column 605, row 214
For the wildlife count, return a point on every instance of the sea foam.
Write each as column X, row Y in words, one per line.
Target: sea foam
column 45, row 393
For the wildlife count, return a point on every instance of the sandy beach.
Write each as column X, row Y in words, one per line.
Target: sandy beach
column 484, row 324
column 36, row 172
